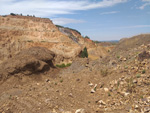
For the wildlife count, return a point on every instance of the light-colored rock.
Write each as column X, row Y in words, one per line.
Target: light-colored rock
column 136, row 106
column 106, row 89
column 126, row 93
column 134, row 81
column 91, row 84
column 101, row 102
column 80, row 111
column 92, row 91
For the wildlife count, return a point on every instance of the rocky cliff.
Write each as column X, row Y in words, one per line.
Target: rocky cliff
column 21, row 32
column 95, row 51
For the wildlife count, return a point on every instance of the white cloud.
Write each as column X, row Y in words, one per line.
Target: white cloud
column 147, row 3
column 50, row 8
column 63, row 21
column 111, row 12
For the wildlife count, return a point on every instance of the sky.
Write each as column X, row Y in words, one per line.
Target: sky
column 99, row 19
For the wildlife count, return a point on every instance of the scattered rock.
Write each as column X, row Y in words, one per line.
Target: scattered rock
column 47, row 80
column 101, row 85
column 136, row 106
column 92, row 91
column 106, row 89
column 147, row 109
column 90, row 84
column 144, row 55
column 80, row 111
column 134, row 81
column 70, row 95
column 101, row 102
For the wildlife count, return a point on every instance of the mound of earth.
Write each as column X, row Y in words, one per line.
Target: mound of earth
column 27, row 62
column 133, row 42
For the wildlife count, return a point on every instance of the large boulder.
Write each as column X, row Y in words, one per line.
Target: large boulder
column 27, row 62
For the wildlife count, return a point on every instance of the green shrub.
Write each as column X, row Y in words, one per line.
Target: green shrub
column 109, row 94
column 13, row 14
column 87, row 37
column 118, row 56
column 63, row 65
column 144, row 71
column 126, row 67
column 67, row 65
column 138, row 75
column 61, row 80
column 84, row 53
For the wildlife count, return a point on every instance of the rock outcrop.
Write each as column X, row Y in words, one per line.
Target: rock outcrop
column 27, row 62
column 22, row 32
column 95, row 51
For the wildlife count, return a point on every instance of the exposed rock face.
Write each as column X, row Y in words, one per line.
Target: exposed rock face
column 95, row 51
column 76, row 37
column 32, row 60
column 20, row 32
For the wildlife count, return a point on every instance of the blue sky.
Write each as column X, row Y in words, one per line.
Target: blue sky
column 98, row 19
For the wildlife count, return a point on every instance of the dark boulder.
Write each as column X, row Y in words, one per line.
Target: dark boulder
column 27, row 62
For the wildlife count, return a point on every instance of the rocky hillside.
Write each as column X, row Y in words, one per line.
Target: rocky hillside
column 21, row 32
column 95, row 50
column 118, row 83
column 76, row 37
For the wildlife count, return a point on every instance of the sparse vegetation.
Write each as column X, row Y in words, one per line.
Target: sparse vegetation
column 118, row 83
column 95, row 89
column 87, row 37
column 143, row 71
column 104, row 72
column 55, row 83
column 29, row 40
column 13, row 14
column 141, row 97
column 43, row 41
column 63, row 65
column 138, row 75
column 68, row 28
column 109, row 94
column 118, row 56
column 10, row 96
column 126, row 67
column 131, row 86
column 61, row 80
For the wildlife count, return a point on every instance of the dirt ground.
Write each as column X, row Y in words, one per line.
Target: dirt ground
column 119, row 83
